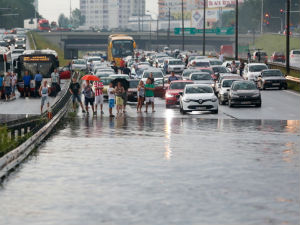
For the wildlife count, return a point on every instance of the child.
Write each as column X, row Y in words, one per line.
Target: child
column 141, row 96
column 149, row 93
column 111, row 99
column 119, row 91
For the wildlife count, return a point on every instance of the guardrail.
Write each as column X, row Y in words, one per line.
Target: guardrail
column 283, row 69
column 33, row 41
column 38, row 126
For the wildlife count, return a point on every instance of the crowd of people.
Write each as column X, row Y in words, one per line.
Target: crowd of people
column 8, row 85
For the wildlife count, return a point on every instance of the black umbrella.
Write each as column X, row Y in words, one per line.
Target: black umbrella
column 124, row 82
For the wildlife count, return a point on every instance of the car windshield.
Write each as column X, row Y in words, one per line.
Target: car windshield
column 154, row 74
column 94, row 59
column 198, row 89
column 175, row 62
column 17, row 51
column 244, row 86
column 20, row 42
column 201, row 64
column 257, row 68
column 79, row 62
column 178, row 85
column 103, row 74
column 272, row 73
column 106, row 81
column 207, row 71
column 227, row 83
column 187, row 73
column 122, row 48
column 219, row 70
column 215, row 62
column 198, row 76
column 133, row 83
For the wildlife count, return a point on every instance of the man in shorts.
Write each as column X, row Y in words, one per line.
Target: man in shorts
column 149, row 94
column 75, row 91
column 98, row 86
column 111, row 99
column 44, row 92
column 7, row 86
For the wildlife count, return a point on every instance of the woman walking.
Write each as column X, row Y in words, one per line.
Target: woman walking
column 141, row 96
column 119, row 91
column 44, row 92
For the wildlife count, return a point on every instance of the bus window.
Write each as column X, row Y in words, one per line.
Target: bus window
column 122, row 48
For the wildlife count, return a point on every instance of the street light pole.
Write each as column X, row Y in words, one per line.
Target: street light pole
column 236, row 30
column 169, row 27
column 262, row 17
column 182, row 21
column 288, row 10
column 204, row 27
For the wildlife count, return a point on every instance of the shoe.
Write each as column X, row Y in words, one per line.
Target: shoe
column 112, row 116
column 83, row 111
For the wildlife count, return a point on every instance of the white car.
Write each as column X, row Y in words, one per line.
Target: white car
column 199, row 63
column 175, row 65
column 198, row 97
column 215, row 62
column 157, row 74
column 295, row 57
column 224, row 89
column 78, row 64
column 253, row 70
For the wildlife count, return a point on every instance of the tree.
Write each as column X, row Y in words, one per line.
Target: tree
column 77, row 19
column 63, row 21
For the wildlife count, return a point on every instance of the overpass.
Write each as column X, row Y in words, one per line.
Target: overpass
column 72, row 42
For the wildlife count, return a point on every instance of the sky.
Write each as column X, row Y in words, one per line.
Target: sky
column 51, row 9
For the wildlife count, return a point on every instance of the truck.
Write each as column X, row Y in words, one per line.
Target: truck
column 31, row 24
column 226, row 50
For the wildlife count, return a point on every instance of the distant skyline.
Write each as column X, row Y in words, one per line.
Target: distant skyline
column 53, row 8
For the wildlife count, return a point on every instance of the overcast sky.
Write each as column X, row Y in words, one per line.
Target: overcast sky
column 50, row 9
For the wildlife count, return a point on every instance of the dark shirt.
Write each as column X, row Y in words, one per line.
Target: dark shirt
column 126, row 71
column 75, row 87
column 171, row 78
column 115, row 68
column 26, row 80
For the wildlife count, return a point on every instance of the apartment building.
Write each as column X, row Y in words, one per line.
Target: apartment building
column 110, row 14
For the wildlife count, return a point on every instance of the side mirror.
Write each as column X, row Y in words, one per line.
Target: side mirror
column 228, row 89
column 181, row 93
column 134, row 44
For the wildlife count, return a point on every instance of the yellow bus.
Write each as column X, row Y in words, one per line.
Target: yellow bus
column 120, row 46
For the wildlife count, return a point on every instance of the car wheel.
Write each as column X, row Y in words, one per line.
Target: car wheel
column 167, row 106
column 230, row 103
column 215, row 111
column 183, row 112
column 258, row 105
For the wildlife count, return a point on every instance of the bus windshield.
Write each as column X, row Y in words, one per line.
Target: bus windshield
column 122, row 48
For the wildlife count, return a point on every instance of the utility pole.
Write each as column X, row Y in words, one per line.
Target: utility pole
column 204, row 27
column 236, row 29
column 288, row 11
column 182, row 21
column 262, row 17
column 169, row 27
column 139, row 15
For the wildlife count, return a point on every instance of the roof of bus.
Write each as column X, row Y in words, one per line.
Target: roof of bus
column 38, row 52
column 114, row 37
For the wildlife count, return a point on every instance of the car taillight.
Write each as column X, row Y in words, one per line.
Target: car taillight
column 292, row 56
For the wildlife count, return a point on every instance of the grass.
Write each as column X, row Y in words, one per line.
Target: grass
column 293, row 86
column 42, row 43
column 275, row 42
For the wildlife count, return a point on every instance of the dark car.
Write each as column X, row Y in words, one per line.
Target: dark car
column 219, row 70
column 278, row 57
column 244, row 93
column 20, row 45
column 132, row 90
column 271, row 79
column 187, row 72
column 9, row 39
column 4, row 44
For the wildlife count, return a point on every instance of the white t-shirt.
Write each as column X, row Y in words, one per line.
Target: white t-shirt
column 13, row 80
column 110, row 96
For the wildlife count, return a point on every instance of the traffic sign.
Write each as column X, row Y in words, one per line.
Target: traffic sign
column 218, row 31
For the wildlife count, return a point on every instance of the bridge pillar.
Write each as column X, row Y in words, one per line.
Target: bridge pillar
column 71, row 53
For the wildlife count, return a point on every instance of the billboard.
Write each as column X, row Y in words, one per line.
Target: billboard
column 221, row 3
column 212, row 16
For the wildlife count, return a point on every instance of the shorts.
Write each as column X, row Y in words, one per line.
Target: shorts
column 111, row 103
column 7, row 90
column 119, row 100
column 88, row 101
column 13, row 89
column 45, row 99
column 99, row 100
column 78, row 97
column 149, row 99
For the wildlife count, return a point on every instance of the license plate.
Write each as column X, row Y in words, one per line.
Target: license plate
column 245, row 103
column 200, row 107
column 276, row 84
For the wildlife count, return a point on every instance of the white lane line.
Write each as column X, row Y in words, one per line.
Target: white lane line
column 292, row 92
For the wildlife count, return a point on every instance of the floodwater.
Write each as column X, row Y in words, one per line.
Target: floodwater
column 159, row 171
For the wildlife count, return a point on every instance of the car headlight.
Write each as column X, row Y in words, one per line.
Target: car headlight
column 214, row 99
column 169, row 96
column 186, row 100
column 255, row 95
column 234, row 95
column 16, row 45
column 24, row 45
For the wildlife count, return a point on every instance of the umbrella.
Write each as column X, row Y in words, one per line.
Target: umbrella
column 90, row 77
column 124, row 82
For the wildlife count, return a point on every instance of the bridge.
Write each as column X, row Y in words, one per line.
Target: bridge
column 72, row 42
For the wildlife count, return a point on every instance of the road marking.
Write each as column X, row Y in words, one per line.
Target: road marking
column 292, row 92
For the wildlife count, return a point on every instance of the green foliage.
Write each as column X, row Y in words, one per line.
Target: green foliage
column 63, row 21
column 24, row 9
column 75, row 21
column 7, row 144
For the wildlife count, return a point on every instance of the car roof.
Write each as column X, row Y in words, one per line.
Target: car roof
column 200, row 85
column 256, row 64
column 233, row 78
column 182, row 81
column 200, row 72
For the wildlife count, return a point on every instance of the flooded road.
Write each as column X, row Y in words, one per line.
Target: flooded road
column 159, row 170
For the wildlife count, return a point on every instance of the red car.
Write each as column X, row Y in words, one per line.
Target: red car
column 172, row 92
column 278, row 57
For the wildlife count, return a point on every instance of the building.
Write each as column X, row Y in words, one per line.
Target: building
column 109, row 14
